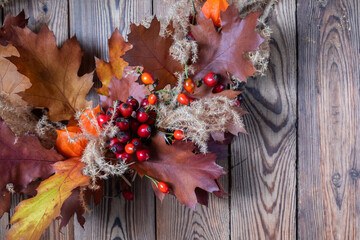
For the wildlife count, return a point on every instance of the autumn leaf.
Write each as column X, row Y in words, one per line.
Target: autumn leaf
column 122, row 89
column 67, row 143
column 181, row 169
column 52, row 73
column 7, row 31
column 87, row 118
column 206, row 91
column 222, row 52
column 212, row 8
column 105, row 71
column 22, row 160
column 11, row 81
column 152, row 52
column 34, row 215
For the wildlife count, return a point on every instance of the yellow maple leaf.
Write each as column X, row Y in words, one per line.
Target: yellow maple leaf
column 34, row 215
column 212, row 8
column 116, row 65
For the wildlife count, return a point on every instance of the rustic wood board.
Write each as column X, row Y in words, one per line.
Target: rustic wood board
column 93, row 23
column 329, row 162
column 263, row 174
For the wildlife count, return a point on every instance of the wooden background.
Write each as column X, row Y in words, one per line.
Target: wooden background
column 296, row 175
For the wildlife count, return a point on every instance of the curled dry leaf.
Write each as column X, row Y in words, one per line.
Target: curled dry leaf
column 222, row 52
column 34, row 215
column 22, row 160
column 87, row 118
column 152, row 52
column 68, row 144
column 212, row 8
column 7, row 31
column 181, row 169
column 52, row 73
column 116, row 65
column 11, row 81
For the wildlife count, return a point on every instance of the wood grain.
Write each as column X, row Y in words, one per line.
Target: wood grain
column 263, row 174
column 210, row 222
column 115, row 218
column 329, row 163
column 55, row 15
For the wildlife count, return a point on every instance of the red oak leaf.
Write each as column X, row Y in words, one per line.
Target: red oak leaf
column 152, row 52
column 222, row 52
column 181, row 169
column 22, row 161
column 7, row 31
column 122, row 89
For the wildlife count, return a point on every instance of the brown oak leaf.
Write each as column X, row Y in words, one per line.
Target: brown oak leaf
column 7, row 31
column 181, row 169
column 22, row 160
column 222, row 52
column 152, row 52
column 115, row 67
column 11, row 81
column 52, row 73
column 122, row 89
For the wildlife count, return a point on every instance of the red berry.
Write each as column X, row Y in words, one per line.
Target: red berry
column 143, row 155
column 133, row 102
column 145, row 102
column 127, row 194
column 183, row 99
column 141, row 115
column 189, row 85
column 122, row 123
column 218, row 88
column 134, row 125
column 124, row 157
column 144, row 131
column 137, row 143
column 237, row 103
column 124, row 136
column 117, row 148
column 179, row 135
column 110, row 142
column 102, row 118
column 110, row 112
column 147, row 78
column 163, row 187
column 152, row 99
column 152, row 117
column 126, row 110
column 211, row 79
column 130, row 148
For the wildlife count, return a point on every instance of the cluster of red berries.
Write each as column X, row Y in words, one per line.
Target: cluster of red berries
column 135, row 123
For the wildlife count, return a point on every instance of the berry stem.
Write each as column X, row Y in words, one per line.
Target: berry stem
column 186, row 72
column 194, row 12
column 138, row 70
column 166, row 133
column 153, row 180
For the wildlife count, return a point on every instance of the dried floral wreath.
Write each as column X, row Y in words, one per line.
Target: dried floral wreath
column 168, row 105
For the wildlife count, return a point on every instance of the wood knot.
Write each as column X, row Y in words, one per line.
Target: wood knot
column 354, row 174
column 336, row 180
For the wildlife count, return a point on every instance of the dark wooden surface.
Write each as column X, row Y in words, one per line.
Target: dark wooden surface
column 296, row 175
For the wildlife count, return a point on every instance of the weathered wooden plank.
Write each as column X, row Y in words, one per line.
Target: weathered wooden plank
column 176, row 221
column 329, row 163
column 263, row 175
column 55, row 15
column 93, row 23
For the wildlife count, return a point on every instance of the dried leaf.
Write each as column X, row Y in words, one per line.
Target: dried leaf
column 11, row 81
column 67, row 143
column 152, row 52
column 7, row 31
column 52, row 72
column 122, row 89
column 212, row 8
column 116, row 65
column 206, row 91
column 222, row 52
column 34, row 215
column 87, row 118
column 181, row 169
column 22, row 162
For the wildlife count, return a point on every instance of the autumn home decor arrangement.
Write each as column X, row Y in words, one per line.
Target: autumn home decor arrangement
column 168, row 106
